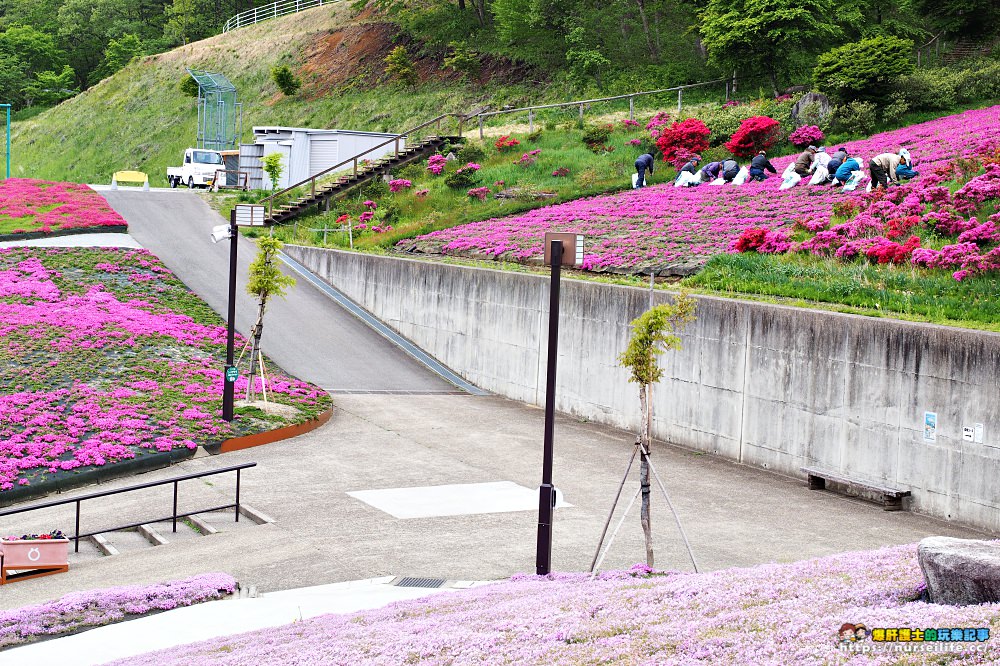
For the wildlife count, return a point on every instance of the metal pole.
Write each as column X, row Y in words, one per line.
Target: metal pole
column 238, row 495
column 631, row 108
column 229, row 388
column 531, row 121
column 175, row 506
column 546, row 492
column 680, row 92
column 76, row 538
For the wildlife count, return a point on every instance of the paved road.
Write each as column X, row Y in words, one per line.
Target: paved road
column 306, row 333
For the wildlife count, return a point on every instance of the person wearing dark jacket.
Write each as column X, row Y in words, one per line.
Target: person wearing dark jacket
column 643, row 164
column 711, row 171
column 758, row 164
column 804, row 161
column 730, row 169
column 836, row 160
column 690, row 167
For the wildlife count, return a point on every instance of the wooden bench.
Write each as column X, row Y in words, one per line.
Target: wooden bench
column 892, row 498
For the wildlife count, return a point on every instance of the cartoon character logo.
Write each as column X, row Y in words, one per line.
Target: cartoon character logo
column 861, row 632
column 847, row 633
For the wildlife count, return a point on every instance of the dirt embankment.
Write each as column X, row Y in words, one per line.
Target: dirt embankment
column 354, row 55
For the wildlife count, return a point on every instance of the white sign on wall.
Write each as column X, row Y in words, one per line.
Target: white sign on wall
column 930, row 426
column 968, row 433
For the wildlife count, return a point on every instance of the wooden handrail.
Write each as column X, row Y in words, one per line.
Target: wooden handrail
column 354, row 158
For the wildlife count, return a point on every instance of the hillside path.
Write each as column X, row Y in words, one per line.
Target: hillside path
column 306, row 333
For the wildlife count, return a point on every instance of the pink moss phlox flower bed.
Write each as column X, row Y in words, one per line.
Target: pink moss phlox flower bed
column 770, row 615
column 37, row 205
column 105, row 356
column 83, row 610
column 663, row 226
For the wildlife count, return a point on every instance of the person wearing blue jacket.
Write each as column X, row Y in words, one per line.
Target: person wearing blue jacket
column 843, row 173
column 643, row 164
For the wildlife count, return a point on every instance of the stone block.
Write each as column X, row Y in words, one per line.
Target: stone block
column 960, row 572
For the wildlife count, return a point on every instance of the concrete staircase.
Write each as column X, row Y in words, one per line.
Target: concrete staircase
column 320, row 195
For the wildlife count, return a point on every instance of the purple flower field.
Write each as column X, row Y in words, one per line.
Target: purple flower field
column 105, row 356
column 770, row 615
column 95, row 608
column 28, row 205
column 663, row 226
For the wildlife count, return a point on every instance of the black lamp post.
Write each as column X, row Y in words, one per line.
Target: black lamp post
column 555, row 257
column 229, row 389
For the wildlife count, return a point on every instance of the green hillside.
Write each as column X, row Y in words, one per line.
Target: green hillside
column 139, row 118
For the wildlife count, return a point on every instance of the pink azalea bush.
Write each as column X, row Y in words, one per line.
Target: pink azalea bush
column 663, row 226
column 769, row 615
column 94, row 608
column 806, row 135
column 105, row 356
column 399, row 184
column 38, row 205
column 436, row 164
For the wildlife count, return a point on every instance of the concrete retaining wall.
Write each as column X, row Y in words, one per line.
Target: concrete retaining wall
column 767, row 385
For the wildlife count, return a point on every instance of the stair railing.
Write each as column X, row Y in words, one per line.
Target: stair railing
column 354, row 159
column 934, row 42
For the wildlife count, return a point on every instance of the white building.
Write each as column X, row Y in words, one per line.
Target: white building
column 307, row 152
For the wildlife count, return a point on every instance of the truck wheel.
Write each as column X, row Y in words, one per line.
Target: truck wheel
column 190, row 182
column 173, row 182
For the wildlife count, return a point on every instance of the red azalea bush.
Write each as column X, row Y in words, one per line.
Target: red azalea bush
column 505, row 142
column 806, row 135
column 689, row 134
column 755, row 134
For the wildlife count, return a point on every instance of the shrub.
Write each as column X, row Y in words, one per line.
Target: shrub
column 471, row 152
column 399, row 65
column 189, row 86
column 855, row 117
column 865, row 69
column 463, row 179
column 462, row 59
column 479, row 193
column 528, row 159
column 689, row 135
column 805, row 135
column 436, row 164
column 596, row 136
column 286, row 81
column 929, row 89
column 755, row 134
column 897, row 107
column 504, row 142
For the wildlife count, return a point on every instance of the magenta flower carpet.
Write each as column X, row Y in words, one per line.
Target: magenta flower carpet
column 770, row 615
column 679, row 229
column 28, row 206
column 106, row 357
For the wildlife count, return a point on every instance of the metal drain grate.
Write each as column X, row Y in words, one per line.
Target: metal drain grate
column 420, row 582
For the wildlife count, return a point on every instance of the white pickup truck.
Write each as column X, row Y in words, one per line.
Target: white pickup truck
column 198, row 170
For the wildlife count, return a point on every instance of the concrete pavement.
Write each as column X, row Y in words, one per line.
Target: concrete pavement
column 734, row 515
column 304, row 333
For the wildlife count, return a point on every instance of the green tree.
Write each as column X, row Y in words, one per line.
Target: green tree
column 50, row 88
column 36, row 50
column 653, row 333
column 864, row 70
column 189, row 86
column 462, row 59
column 190, row 20
column 265, row 280
column 585, row 62
column 766, row 36
column 399, row 65
column 119, row 53
column 273, row 168
column 286, row 81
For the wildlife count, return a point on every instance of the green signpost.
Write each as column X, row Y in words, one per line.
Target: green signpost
column 231, row 373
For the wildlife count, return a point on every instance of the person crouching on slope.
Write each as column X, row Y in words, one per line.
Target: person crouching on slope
column 643, row 164
column 883, row 167
column 758, row 164
column 711, row 171
column 804, row 161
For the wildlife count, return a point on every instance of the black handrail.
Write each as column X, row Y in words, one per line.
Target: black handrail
column 174, row 516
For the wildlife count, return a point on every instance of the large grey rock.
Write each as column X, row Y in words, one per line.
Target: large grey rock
column 817, row 103
column 960, row 572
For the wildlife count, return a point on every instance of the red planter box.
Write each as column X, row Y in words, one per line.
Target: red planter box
column 32, row 558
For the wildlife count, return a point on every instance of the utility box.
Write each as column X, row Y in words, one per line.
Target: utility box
column 306, row 152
